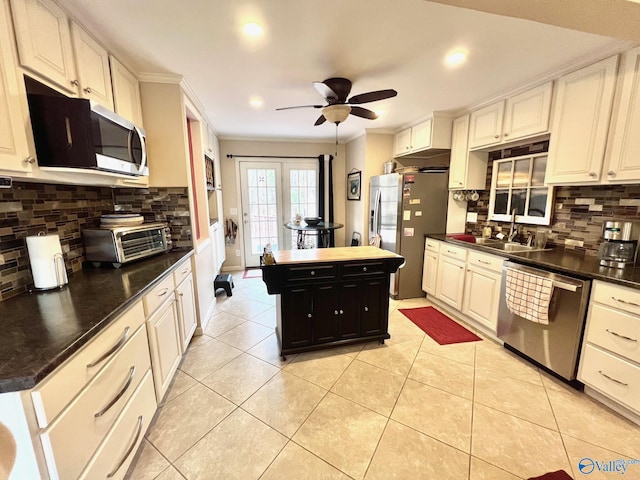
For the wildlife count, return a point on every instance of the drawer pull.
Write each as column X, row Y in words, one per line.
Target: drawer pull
column 313, row 273
column 112, row 350
column 451, row 252
column 185, row 271
column 341, row 312
column 625, row 302
column 622, row 336
column 164, row 292
column 364, row 269
column 335, row 312
column 119, row 395
column 129, row 450
column 366, row 309
column 612, row 379
column 309, row 315
column 484, row 263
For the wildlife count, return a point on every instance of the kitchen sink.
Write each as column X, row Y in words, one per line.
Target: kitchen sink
column 513, row 247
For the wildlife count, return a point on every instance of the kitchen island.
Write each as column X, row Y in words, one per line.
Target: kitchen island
column 330, row 297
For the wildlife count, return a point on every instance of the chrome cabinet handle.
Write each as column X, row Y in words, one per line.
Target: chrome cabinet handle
column 88, row 90
column 612, row 379
column 341, row 312
column 164, row 292
column 364, row 269
column 75, row 83
column 30, row 160
column 593, row 174
column 611, row 173
column 185, row 271
column 506, row 134
column 309, row 315
column 313, row 273
column 625, row 302
column 112, row 350
column 496, row 136
column 129, row 450
column 483, row 262
column 621, row 336
column 335, row 312
column 366, row 309
column 453, row 253
column 118, row 395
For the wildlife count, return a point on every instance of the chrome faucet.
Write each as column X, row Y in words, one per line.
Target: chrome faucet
column 513, row 230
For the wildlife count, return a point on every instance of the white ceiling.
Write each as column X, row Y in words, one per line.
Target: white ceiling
column 377, row 44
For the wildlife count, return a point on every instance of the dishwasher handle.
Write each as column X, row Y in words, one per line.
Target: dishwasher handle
column 559, row 281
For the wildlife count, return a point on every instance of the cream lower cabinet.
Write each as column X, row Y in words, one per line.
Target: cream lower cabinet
column 610, row 361
column 450, row 276
column 482, row 283
column 430, row 266
column 163, row 328
column 186, row 304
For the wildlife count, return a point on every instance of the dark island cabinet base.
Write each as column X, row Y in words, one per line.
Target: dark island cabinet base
column 347, row 304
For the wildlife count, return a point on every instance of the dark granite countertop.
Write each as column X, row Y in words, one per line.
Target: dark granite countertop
column 41, row 330
column 560, row 260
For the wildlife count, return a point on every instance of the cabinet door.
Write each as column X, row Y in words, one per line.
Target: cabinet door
column 421, row 136
column 14, row 149
column 44, row 41
column 450, row 281
column 486, row 126
column 459, row 153
column 92, row 63
column 402, row 143
column 186, row 311
column 430, row 272
column 297, row 316
column 527, row 114
column 624, row 146
column 375, row 306
column 164, row 346
column 348, row 325
column 326, row 312
column 482, row 296
column 126, row 92
column 580, row 123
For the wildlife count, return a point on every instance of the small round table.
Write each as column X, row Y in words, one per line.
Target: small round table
column 322, row 230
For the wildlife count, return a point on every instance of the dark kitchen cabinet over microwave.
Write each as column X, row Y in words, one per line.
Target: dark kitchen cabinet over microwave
column 330, row 297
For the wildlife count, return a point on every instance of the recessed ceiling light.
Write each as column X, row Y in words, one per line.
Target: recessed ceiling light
column 252, row 29
column 255, row 102
column 456, row 58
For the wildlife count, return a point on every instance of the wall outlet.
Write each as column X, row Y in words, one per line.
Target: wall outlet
column 233, row 211
column 472, row 217
column 237, row 253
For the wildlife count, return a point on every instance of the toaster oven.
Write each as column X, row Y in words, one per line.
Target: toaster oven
column 118, row 245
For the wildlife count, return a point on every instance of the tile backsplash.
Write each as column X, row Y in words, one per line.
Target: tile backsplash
column 578, row 213
column 29, row 208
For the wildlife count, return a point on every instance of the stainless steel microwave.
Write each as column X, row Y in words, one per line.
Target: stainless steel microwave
column 78, row 133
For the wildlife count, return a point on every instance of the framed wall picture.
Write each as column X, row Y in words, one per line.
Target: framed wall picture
column 353, row 185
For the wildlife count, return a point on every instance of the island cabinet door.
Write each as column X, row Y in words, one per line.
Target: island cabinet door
column 374, row 306
column 325, row 313
column 348, row 312
column 297, row 316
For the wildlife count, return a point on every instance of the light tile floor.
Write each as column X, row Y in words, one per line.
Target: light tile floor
column 408, row 409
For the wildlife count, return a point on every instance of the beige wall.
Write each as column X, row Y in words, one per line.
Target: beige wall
column 354, row 210
column 231, row 182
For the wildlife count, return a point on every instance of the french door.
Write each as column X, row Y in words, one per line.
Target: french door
column 272, row 194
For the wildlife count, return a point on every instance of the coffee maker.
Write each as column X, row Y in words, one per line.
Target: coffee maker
column 620, row 247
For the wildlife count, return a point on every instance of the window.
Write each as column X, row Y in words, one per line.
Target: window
column 518, row 184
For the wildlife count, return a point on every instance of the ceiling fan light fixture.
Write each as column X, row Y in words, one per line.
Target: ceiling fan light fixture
column 336, row 113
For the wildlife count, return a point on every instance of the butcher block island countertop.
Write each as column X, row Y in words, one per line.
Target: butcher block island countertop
column 330, row 297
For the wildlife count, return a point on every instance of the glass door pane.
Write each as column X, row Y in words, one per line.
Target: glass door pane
column 301, row 182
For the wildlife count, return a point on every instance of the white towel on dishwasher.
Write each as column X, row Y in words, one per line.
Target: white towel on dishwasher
column 529, row 295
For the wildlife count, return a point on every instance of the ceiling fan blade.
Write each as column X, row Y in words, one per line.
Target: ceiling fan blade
column 364, row 113
column 320, row 120
column 327, row 93
column 372, row 96
column 300, row 106
column 334, row 90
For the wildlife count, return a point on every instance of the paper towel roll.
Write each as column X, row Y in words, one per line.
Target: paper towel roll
column 47, row 263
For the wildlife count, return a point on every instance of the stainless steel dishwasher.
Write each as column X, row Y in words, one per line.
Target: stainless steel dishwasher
column 556, row 345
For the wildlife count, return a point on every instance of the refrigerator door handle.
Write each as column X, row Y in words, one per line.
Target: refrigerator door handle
column 376, row 213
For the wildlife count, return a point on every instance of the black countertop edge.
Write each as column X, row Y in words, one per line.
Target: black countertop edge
column 40, row 330
column 559, row 260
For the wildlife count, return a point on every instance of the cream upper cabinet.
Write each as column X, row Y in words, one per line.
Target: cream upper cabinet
column 44, row 41
column 433, row 133
column 402, row 143
column 14, row 149
column 126, row 92
column 580, row 124
column 92, row 63
column 623, row 149
column 467, row 170
column 518, row 117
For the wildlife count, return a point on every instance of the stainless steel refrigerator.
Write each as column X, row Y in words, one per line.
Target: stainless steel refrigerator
column 403, row 208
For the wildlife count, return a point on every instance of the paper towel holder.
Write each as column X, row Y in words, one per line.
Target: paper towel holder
column 48, row 268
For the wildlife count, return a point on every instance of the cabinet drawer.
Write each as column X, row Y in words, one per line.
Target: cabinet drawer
column 490, row 262
column 181, row 272
column 311, row 273
column 53, row 394
column 119, row 447
column 158, row 295
column 614, row 330
column 431, row 245
column 86, row 421
column 453, row 251
column 362, row 268
column 627, row 299
column 611, row 375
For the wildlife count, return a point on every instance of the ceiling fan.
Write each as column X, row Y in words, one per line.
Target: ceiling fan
column 335, row 92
